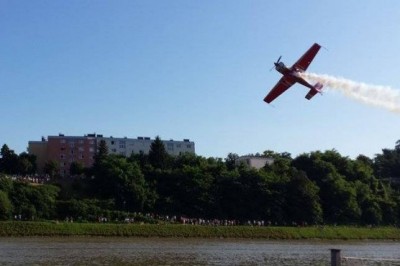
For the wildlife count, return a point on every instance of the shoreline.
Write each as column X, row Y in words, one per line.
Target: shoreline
column 64, row 229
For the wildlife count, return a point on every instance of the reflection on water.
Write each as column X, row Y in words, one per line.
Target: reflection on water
column 160, row 251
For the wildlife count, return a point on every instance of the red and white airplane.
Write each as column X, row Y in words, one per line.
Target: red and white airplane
column 291, row 75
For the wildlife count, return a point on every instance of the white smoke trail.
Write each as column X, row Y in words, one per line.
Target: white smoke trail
column 380, row 96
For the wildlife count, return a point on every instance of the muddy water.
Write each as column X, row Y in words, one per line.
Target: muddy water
column 155, row 251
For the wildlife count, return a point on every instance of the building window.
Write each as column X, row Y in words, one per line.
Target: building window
column 112, row 142
column 62, row 156
column 81, row 156
column 91, row 149
column 189, row 146
column 62, row 140
column 122, row 146
column 178, row 145
column 81, row 141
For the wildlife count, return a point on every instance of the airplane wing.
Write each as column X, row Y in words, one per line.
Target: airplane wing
column 305, row 60
column 283, row 84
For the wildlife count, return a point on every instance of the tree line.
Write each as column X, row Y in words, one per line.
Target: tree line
column 312, row 188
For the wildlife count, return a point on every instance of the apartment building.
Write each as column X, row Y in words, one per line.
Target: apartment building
column 82, row 149
column 127, row 146
column 39, row 148
column 64, row 150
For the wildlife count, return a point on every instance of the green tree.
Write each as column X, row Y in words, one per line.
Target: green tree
column 270, row 154
column 51, row 168
column 44, row 199
column 20, row 197
column 372, row 213
column 194, row 191
column 227, row 188
column 26, row 164
column 338, row 196
column 188, row 187
column 254, row 196
column 158, row 156
column 102, row 151
column 303, row 202
column 97, row 183
column 77, row 209
column 34, row 202
column 280, row 168
column 85, row 209
column 6, row 184
column 123, row 181
column 339, row 201
column 5, row 206
column 230, row 161
column 387, row 164
column 140, row 158
column 9, row 160
column 76, row 168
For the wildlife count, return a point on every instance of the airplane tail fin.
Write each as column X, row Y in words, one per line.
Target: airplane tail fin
column 317, row 89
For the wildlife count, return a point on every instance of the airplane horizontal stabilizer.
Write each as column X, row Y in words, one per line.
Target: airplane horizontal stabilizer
column 317, row 88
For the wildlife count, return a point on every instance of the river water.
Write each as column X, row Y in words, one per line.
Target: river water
column 176, row 251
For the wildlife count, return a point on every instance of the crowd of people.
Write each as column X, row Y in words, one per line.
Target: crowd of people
column 36, row 179
column 202, row 221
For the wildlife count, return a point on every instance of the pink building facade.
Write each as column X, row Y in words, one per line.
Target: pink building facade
column 64, row 150
column 68, row 149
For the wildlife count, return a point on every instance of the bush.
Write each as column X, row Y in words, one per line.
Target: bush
column 5, row 206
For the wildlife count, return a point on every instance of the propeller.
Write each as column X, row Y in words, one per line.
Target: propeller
column 276, row 63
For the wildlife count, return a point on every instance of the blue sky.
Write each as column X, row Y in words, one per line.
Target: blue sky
column 197, row 70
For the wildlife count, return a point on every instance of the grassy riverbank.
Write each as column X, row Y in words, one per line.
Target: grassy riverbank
column 171, row 230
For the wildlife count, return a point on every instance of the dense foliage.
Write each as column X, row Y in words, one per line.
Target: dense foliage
column 312, row 188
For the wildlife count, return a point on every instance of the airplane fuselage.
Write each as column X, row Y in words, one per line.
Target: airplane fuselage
column 293, row 73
